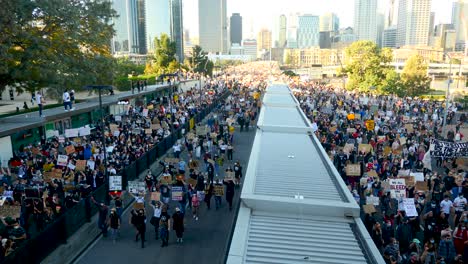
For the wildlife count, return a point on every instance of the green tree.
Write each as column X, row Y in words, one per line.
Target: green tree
column 164, row 55
column 414, row 76
column 366, row 66
column 198, row 61
column 121, row 69
column 55, row 43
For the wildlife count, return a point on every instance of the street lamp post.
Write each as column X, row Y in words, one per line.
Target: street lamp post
column 102, row 123
column 447, row 94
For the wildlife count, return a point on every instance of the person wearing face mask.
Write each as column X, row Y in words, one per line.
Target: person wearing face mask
column 447, row 248
column 156, row 217
column 460, row 237
column 429, row 256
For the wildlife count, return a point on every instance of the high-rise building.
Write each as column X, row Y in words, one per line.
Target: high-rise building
column 212, row 25
column 250, row 47
column 291, row 34
column 177, row 27
column 389, row 37
column 460, row 22
column 325, row 39
column 308, row 31
column 391, row 16
column 157, row 21
column 445, row 37
column 126, row 38
column 282, row 31
column 264, row 40
column 329, row 22
column 141, row 27
column 413, row 22
column 366, row 20
column 236, row 28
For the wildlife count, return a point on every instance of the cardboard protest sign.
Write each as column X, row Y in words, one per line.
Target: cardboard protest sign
column 229, row 176
column 366, row 148
column 357, row 116
column 387, row 150
column 91, row 164
column 12, row 211
column 139, row 206
column 62, row 160
column 369, row 208
column 156, row 196
column 70, row 149
column 409, row 207
column 73, row 132
column 113, row 127
column 333, row 129
column 148, row 131
column 397, row 188
column 350, row 130
column 115, row 183
column 180, row 177
column 381, row 139
column 398, row 151
column 421, row 186
column 177, row 193
column 155, row 126
column 353, row 170
column 218, row 190
column 166, row 179
column 372, row 200
column 372, row 173
column 348, row 148
column 80, row 165
column 192, row 182
column 201, row 130
column 136, row 187
column 409, row 128
column 408, row 180
column 402, row 141
column 171, row 160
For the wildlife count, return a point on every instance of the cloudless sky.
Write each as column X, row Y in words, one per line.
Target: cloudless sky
column 257, row 14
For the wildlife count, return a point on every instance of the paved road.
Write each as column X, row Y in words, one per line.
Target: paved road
column 205, row 240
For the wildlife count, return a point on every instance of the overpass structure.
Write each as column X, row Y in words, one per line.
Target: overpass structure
column 295, row 208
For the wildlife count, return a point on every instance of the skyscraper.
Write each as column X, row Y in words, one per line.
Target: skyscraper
column 291, row 33
column 413, row 22
column 308, row 31
column 282, row 31
column 460, row 22
column 177, row 27
column 130, row 27
column 391, row 17
column 329, row 22
column 366, row 19
column 389, row 37
column 236, row 28
column 264, row 40
column 157, row 21
column 212, row 24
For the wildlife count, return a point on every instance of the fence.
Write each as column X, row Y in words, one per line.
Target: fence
column 36, row 248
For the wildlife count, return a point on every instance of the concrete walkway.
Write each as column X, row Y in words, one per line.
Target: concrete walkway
column 205, row 240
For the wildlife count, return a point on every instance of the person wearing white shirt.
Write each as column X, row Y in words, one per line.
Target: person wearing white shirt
column 67, row 104
column 157, row 210
column 445, row 207
column 460, row 204
column 40, row 100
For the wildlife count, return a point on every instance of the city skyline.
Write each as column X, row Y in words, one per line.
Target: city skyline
column 254, row 19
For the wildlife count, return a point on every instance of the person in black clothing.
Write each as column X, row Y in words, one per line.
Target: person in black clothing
column 102, row 220
column 139, row 221
column 178, row 224
column 229, row 192
column 237, row 172
column 114, row 223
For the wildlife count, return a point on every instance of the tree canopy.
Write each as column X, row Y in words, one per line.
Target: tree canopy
column 199, row 62
column 414, row 76
column 55, row 43
column 366, row 66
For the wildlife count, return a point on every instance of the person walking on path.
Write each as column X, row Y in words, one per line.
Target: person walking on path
column 67, row 104
column 218, row 196
column 40, row 102
column 208, row 194
column 102, row 219
column 178, row 224
column 139, row 221
column 195, row 206
column 156, row 217
column 114, row 223
column 229, row 192
column 238, row 172
column 164, row 227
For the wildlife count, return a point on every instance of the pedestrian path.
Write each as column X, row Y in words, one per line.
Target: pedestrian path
column 205, row 240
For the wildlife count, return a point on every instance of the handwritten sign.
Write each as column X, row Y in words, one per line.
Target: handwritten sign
column 62, row 160
column 70, row 149
column 409, row 207
column 115, row 183
column 348, row 148
column 353, row 170
column 177, row 193
column 372, row 200
column 156, row 196
column 136, row 187
column 71, row 132
column 229, row 176
column 201, row 130
column 350, row 130
column 12, row 211
column 80, row 165
column 421, row 186
column 218, row 190
column 366, row 148
column 166, row 179
column 91, row 164
column 397, row 188
column 118, row 118
column 370, row 125
column 369, row 208
column 409, row 128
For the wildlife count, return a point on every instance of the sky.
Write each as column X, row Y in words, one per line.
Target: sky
column 257, row 14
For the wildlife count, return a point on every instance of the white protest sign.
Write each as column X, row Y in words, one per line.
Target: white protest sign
column 116, row 133
column 52, row 133
column 71, row 166
column 71, row 132
column 145, row 112
column 115, row 183
column 90, row 164
column 62, row 160
column 397, row 188
column 84, row 131
column 61, row 139
column 418, row 176
column 372, row 200
column 136, row 187
column 409, row 207
column 118, row 118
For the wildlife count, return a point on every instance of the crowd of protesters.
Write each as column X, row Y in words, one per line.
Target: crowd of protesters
column 41, row 189
column 203, row 162
column 399, row 137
